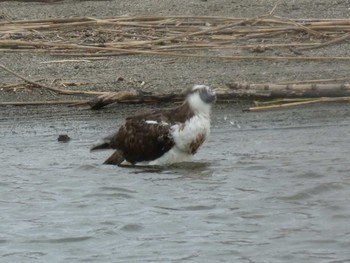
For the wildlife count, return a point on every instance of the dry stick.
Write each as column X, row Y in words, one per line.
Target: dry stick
column 170, row 54
column 59, row 91
column 283, row 105
column 266, row 30
column 96, row 22
column 50, row 1
column 320, row 20
column 50, row 20
column 157, row 18
column 227, row 46
column 104, row 22
column 331, row 27
column 63, row 22
column 65, row 61
column 334, row 41
column 50, row 102
column 138, row 43
column 292, row 104
column 279, row 101
column 209, row 30
column 103, row 96
column 133, row 51
column 52, row 26
column 221, row 27
column 183, row 35
column 12, row 86
column 312, row 81
column 27, row 80
column 307, row 29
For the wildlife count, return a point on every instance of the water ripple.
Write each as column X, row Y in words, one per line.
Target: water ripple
column 61, row 240
column 268, row 192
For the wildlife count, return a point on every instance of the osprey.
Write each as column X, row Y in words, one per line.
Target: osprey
column 163, row 136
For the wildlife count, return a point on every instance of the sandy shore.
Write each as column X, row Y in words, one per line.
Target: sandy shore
column 162, row 73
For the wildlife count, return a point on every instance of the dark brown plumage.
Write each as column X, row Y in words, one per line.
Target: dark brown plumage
column 163, row 136
column 138, row 141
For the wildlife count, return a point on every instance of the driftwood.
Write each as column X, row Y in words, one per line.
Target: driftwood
column 233, row 91
column 239, row 91
column 270, row 90
column 131, row 98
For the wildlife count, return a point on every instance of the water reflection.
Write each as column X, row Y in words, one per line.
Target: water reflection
column 185, row 169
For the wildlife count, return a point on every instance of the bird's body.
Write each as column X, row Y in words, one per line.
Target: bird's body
column 163, row 136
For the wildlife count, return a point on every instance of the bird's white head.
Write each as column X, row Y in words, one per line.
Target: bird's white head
column 200, row 98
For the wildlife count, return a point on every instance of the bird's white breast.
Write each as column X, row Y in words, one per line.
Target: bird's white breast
column 185, row 134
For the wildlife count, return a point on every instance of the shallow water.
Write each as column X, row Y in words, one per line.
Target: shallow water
column 266, row 187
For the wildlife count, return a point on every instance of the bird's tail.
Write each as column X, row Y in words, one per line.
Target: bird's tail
column 115, row 159
column 104, row 145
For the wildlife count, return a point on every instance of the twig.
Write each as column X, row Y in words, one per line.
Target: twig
column 148, row 35
column 274, row 8
column 186, row 55
column 59, row 91
column 331, row 42
column 310, row 81
column 71, row 60
column 50, row 102
column 307, row 29
column 269, row 107
column 12, row 86
column 281, row 101
column 300, row 103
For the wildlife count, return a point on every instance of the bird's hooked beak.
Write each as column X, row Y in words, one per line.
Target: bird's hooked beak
column 208, row 95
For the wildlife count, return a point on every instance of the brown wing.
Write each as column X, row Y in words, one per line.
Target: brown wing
column 141, row 141
column 138, row 141
column 171, row 116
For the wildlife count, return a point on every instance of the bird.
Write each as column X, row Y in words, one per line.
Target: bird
column 164, row 136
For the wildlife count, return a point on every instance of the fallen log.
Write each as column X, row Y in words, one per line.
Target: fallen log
column 232, row 91
column 270, row 90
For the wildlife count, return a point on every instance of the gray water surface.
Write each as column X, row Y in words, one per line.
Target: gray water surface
column 266, row 187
